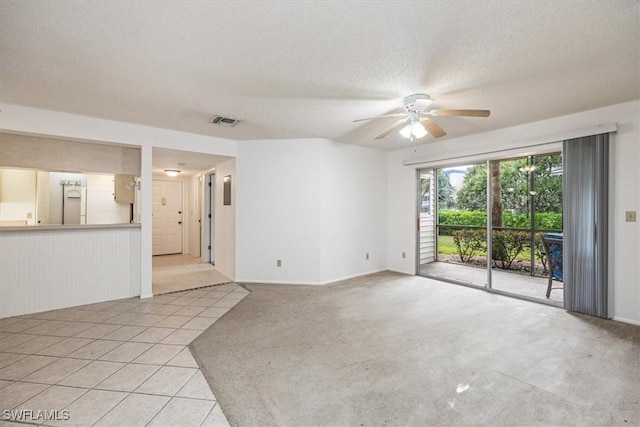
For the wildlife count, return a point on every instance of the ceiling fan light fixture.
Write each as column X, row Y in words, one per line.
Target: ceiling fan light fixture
column 172, row 172
column 415, row 128
column 415, row 121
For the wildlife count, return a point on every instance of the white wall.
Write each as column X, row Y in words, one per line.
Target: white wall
column 28, row 120
column 278, row 198
column 49, row 269
column 316, row 205
column 225, row 221
column 353, row 214
column 625, row 191
column 101, row 205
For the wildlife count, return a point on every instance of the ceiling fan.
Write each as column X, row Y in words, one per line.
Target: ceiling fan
column 416, row 119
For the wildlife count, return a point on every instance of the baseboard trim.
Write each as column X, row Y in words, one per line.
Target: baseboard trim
column 145, row 296
column 328, row 282
column 353, row 276
column 400, row 272
column 623, row 320
column 277, row 282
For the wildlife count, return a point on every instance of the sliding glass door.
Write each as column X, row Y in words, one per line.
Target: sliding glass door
column 485, row 222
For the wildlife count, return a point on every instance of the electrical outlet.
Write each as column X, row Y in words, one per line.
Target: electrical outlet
column 278, row 263
column 404, row 254
column 366, row 256
column 630, row 216
column 29, row 215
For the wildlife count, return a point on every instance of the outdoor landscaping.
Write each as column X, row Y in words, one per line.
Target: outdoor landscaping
column 528, row 188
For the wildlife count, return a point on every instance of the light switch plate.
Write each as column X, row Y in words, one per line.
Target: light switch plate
column 630, row 216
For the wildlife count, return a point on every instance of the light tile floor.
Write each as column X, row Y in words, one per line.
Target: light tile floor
column 182, row 272
column 123, row 362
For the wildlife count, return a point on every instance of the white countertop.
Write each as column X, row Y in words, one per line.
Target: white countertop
column 58, row 227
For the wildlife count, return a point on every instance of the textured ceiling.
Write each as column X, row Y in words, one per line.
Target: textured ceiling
column 308, row 69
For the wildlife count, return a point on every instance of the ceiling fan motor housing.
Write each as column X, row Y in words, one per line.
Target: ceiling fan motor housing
column 417, row 101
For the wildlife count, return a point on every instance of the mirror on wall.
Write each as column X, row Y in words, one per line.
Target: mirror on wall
column 35, row 197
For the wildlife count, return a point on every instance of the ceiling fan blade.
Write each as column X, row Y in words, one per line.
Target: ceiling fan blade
column 433, row 127
column 469, row 113
column 377, row 117
column 391, row 128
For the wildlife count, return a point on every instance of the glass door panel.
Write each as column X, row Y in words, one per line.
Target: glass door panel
column 459, row 225
column 526, row 202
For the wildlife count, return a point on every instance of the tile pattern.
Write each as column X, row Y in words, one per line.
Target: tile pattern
column 119, row 362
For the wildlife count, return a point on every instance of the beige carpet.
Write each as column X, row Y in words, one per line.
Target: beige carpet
column 389, row 349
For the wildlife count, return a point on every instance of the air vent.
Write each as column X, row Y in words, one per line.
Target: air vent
column 224, row 121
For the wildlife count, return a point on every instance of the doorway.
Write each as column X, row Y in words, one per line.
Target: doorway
column 167, row 217
column 177, row 269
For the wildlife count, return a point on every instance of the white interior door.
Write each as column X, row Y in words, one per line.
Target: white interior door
column 167, row 217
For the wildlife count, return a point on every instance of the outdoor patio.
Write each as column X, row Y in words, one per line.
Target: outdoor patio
column 507, row 281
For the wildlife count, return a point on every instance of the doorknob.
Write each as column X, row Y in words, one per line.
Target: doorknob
column 180, row 212
column 180, row 222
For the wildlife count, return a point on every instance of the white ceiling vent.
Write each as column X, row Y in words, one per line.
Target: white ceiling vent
column 224, row 121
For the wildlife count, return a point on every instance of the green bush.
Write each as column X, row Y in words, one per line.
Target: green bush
column 476, row 218
column 544, row 220
column 549, row 220
column 507, row 244
column 469, row 242
column 515, row 221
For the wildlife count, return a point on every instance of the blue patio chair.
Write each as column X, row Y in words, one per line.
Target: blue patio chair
column 552, row 244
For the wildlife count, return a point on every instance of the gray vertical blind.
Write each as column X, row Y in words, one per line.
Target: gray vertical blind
column 586, row 195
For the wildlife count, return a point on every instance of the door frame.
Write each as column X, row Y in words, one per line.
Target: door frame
column 208, row 217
